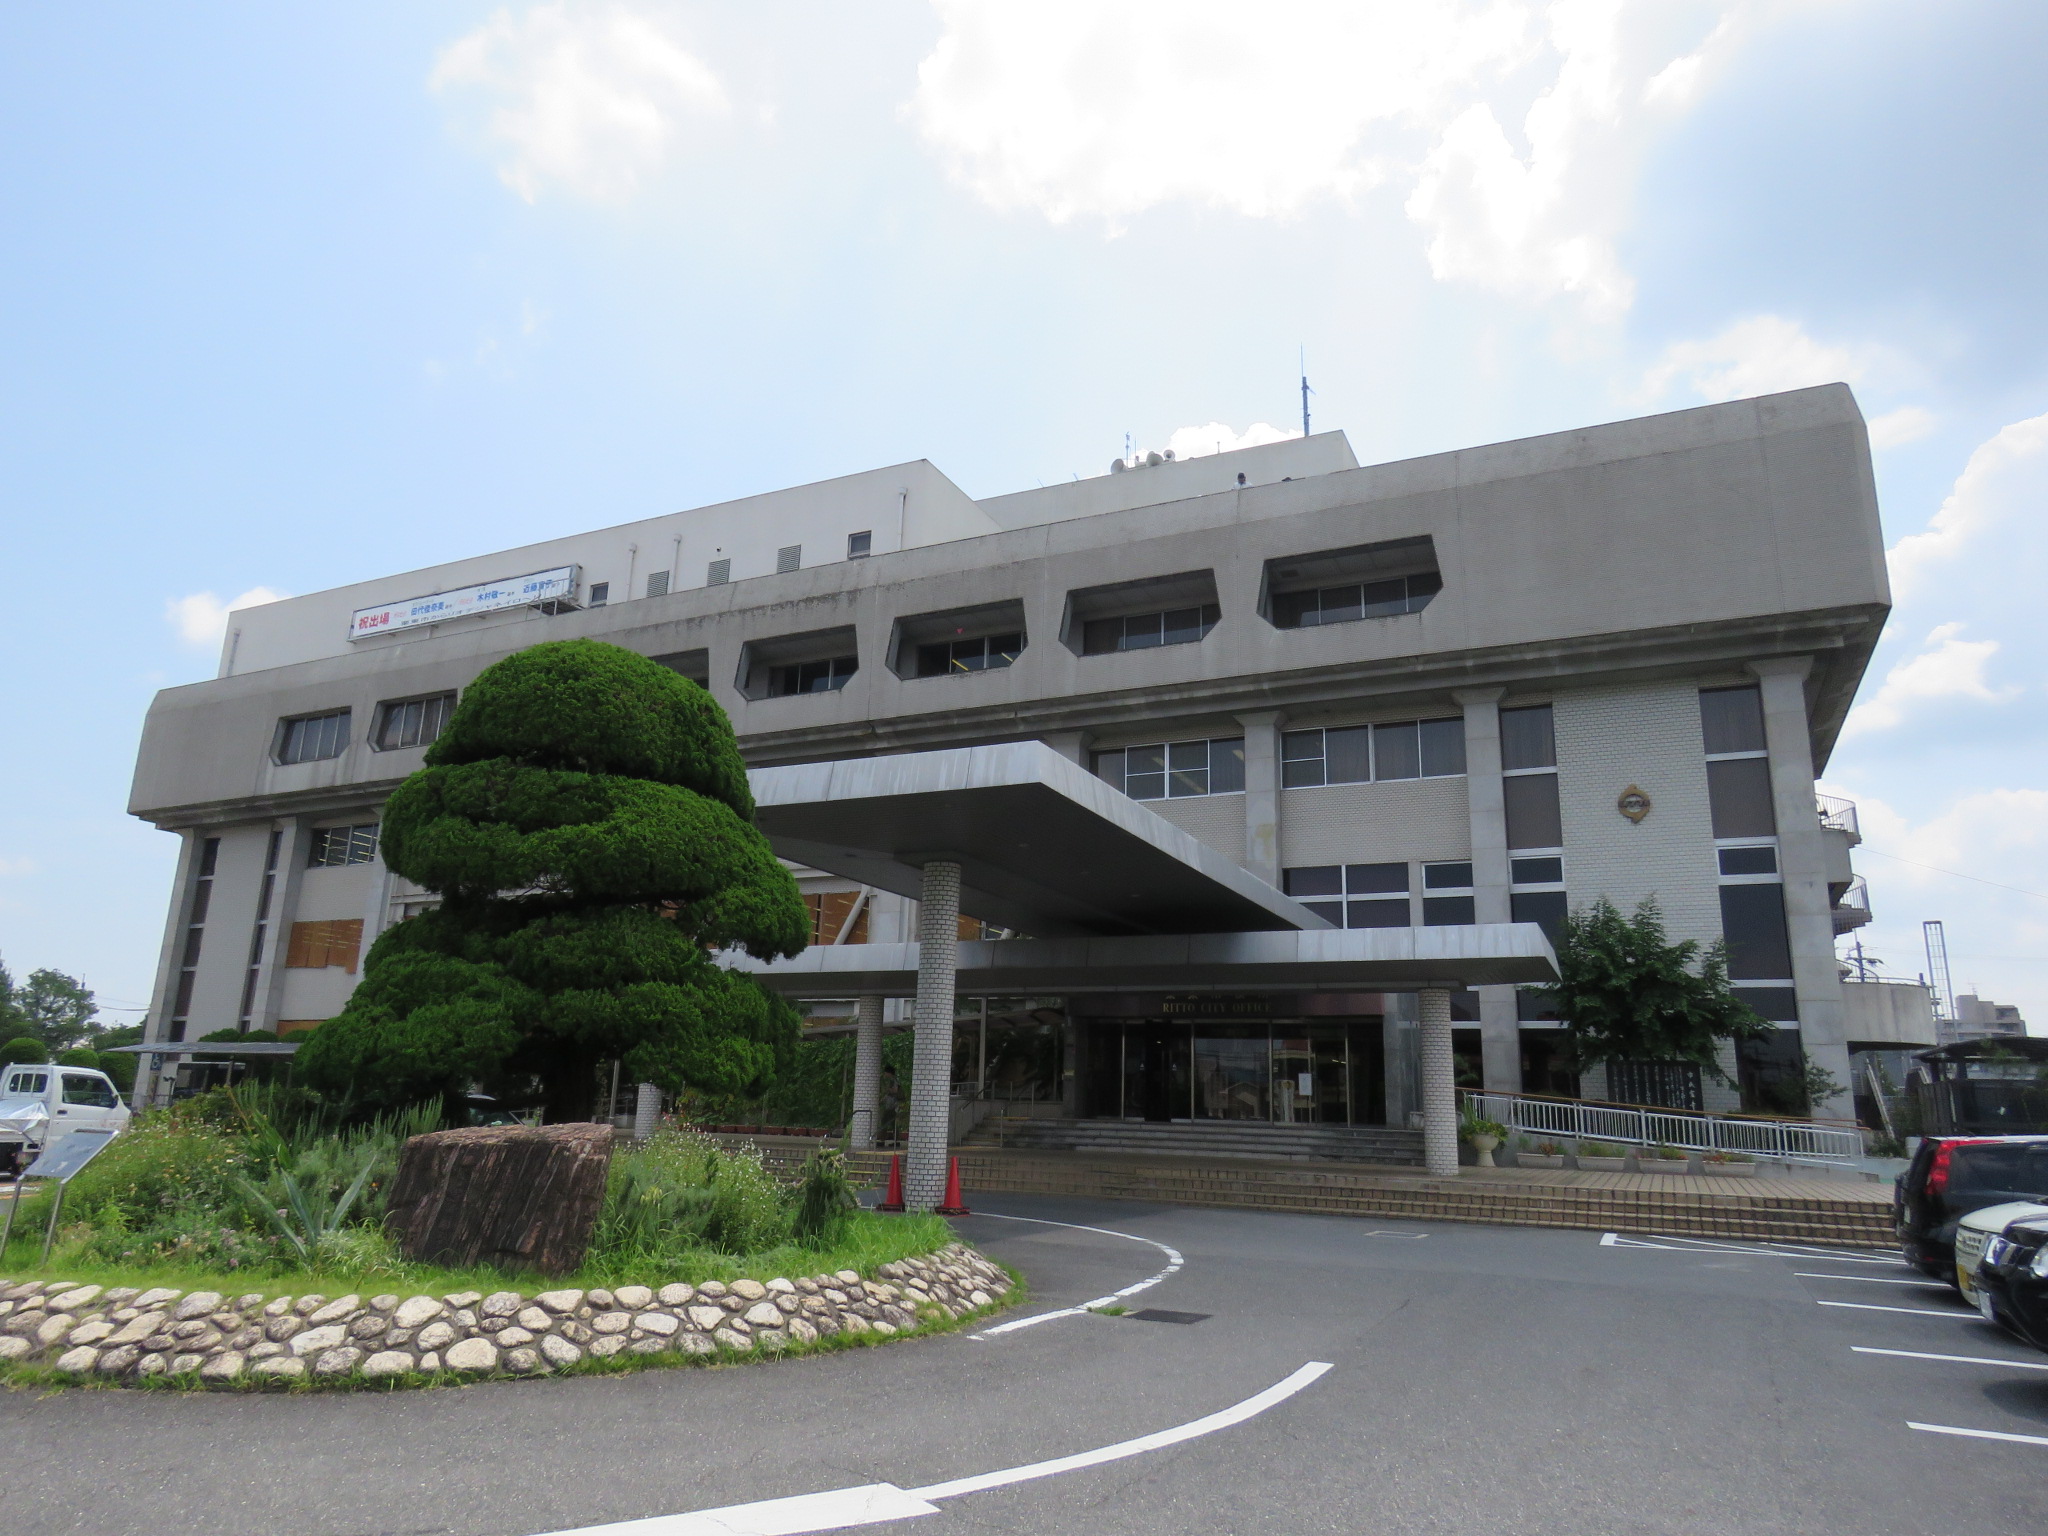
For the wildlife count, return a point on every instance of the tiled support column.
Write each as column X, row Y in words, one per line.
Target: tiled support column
column 867, row 1072
column 1262, row 794
column 646, row 1112
column 1439, row 1084
column 1802, row 862
column 1500, row 1029
column 931, row 1071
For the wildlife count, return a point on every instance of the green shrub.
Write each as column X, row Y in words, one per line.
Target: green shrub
column 1600, row 1149
column 823, row 1196
column 80, row 1056
column 23, row 1050
column 161, row 1165
column 120, row 1066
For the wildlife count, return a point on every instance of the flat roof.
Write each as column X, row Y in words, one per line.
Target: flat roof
column 1044, row 846
column 1333, row 960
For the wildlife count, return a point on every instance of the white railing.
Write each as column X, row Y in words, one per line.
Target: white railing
column 1797, row 1141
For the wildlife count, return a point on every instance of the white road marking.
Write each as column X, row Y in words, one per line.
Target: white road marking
column 1174, row 1264
column 1870, row 1280
column 1702, row 1245
column 873, row 1503
column 1378, row 1232
column 1979, row 1434
column 1914, row 1354
column 1959, row 1315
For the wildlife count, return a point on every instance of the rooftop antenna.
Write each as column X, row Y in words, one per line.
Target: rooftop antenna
column 1937, row 968
column 1305, row 392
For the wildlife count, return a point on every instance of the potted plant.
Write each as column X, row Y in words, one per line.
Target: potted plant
column 1484, row 1135
column 1602, row 1157
column 1660, row 1159
column 1544, row 1154
column 1729, row 1165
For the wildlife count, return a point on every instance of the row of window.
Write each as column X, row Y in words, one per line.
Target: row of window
column 1360, row 754
column 1361, row 600
column 1378, row 895
column 790, row 557
column 400, row 723
column 1173, row 770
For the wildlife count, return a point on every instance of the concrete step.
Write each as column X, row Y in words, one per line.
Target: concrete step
column 1349, row 1144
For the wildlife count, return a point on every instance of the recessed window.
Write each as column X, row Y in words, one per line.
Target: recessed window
column 718, row 573
column 1528, row 738
column 600, row 593
column 826, row 676
column 1341, row 586
column 788, row 558
column 1749, row 861
column 657, row 584
column 333, row 847
column 1535, row 820
column 1141, row 615
column 1447, row 900
column 1175, row 770
column 1367, row 600
column 1372, row 895
column 1145, row 631
column 860, row 545
column 1732, row 720
column 312, row 738
column 1739, row 797
column 1546, row 909
column 986, row 654
column 1536, row 871
column 412, row 722
column 1357, row 754
column 1753, row 922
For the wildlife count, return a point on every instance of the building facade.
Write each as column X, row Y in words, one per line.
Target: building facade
column 1479, row 687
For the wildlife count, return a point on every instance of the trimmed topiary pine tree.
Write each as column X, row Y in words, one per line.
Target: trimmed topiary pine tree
column 586, row 821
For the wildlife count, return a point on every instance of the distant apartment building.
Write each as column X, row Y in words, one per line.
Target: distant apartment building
column 1484, row 686
column 1979, row 1018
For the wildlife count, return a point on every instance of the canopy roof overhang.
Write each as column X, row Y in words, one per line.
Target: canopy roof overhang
column 1333, row 960
column 1044, row 846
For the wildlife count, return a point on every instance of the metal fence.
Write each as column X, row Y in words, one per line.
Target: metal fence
column 1799, row 1141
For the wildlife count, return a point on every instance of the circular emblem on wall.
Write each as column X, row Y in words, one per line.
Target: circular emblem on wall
column 1633, row 804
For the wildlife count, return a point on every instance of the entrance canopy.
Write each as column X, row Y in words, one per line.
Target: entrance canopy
column 1333, row 960
column 1044, row 846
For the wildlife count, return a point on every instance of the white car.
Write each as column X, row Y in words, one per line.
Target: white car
column 41, row 1105
column 1975, row 1233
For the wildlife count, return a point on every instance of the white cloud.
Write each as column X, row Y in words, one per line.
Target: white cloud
column 1946, row 667
column 2006, row 477
column 1761, row 355
column 1514, row 125
column 1908, row 424
column 1194, row 442
column 202, row 618
column 586, row 98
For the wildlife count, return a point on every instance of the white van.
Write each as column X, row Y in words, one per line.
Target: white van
column 40, row 1105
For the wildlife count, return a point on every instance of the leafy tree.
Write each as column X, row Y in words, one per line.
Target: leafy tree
column 1626, row 993
column 24, row 1050
column 11, row 1022
column 586, row 820
column 55, row 1008
column 79, row 1056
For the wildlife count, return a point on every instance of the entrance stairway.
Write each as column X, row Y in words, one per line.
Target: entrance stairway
column 1381, row 1144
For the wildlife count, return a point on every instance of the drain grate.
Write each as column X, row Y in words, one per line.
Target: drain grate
column 1161, row 1315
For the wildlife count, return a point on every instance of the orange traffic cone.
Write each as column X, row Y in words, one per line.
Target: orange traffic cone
column 954, row 1205
column 893, row 1200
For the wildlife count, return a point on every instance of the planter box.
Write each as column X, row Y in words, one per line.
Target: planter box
column 1539, row 1160
column 1730, row 1170
column 1661, row 1164
column 1603, row 1165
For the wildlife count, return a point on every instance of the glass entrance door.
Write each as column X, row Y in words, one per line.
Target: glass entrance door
column 1155, row 1071
column 1231, row 1068
column 1311, row 1075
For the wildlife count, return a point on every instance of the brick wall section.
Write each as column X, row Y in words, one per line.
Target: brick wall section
column 1375, row 823
column 1217, row 820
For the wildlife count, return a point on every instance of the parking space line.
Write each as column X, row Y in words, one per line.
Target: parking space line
column 1959, row 1315
column 1675, row 1244
column 1915, row 1354
column 1868, row 1280
column 1979, row 1434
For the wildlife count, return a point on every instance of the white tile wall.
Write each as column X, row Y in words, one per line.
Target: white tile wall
column 1375, row 823
column 1217, row 820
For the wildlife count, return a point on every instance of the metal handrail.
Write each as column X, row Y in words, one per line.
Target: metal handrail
column 1800, row 1141
column 1839, row 815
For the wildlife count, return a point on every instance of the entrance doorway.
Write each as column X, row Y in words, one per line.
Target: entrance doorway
column 1281, row 1071
column 1156, row 1071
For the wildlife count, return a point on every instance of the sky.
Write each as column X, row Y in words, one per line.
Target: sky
column 293, row 296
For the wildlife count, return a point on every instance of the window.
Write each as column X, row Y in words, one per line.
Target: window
column 1732, row 720
column 333, row 847
column 93, row 1092
column 1371, row 895
column 788, row 558
column 1364, row 600
column 1447, row 895
column 1739, row 797
column 1749, row 861
column 195, row 932
column 1546, row 909
column 28, row 1083
column 984, row 655
column 1528, row 739
column 262, row 926
column 412, row 722
column 1753, row 922
column 657, row 583
column 1775, row 1005
column 718, row 573
column 1143, row 631
column 860, row 545
column 1407, row 749
column 315, row 946
column 1533, row 817
column 1536, row 871
column 1176, row 769
column 312, row 738
column 837, row 912
column 600, row 593
column 825, row 676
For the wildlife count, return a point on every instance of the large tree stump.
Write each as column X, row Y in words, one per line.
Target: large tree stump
column 511, row 1196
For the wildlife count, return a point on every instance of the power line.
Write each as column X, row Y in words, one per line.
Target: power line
column 1958, row 874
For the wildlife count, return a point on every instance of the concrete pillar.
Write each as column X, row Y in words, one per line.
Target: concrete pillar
column 1262, row 794
column 867, row 1072
column 931, row 1072
column 646, row 1112
column 1439, row 1084
column 1500, row 1030
column 1802, row 863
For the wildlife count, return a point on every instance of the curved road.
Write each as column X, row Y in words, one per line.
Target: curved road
column 1481, row 1379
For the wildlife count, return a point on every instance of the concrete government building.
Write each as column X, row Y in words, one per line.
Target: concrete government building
column 1209, row 790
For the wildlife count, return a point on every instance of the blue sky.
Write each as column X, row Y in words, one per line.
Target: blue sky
column 293, row 296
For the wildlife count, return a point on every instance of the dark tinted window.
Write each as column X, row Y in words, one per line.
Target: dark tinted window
column 91, row 1091
column 2019, row 1168
column 1373, row 879
column 1443, row 747
column 1376, row 914
column 1532, row 813
column 312, row 738
column 1739, row 793
column 1446, row 877
column 1753, row 921
column 1347, row 755
column 1779, row 1005
column 1527, row 739
column 1319, row 880
column 1447, row 911
column 1544, row 908
column 1537, row 871
column 1749, row 861
column 1732, row 720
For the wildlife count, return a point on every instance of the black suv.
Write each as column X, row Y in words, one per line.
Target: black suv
column 1951, row 1176
column 2014, row 1275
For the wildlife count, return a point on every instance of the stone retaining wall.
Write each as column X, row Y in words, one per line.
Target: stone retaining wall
column 130, row 1335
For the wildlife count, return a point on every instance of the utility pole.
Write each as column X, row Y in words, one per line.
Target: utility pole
column 1304, row 391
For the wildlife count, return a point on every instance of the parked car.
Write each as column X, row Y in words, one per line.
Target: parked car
column 1951, row 1176
column 40, row 1105
column 2012, row 1276
column 1976, row 1234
